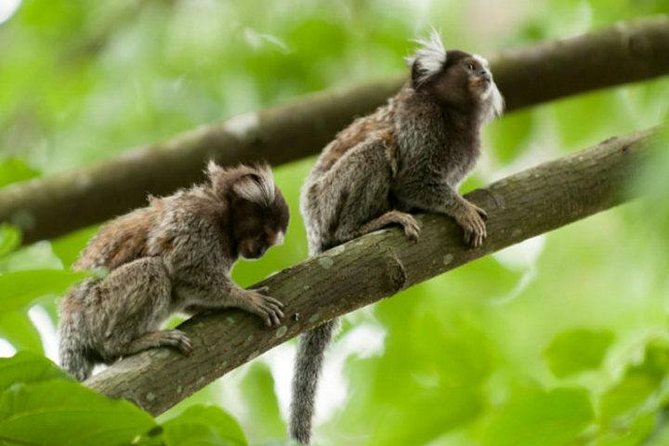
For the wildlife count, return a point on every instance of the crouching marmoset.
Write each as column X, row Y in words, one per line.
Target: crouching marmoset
column 409, row 155
column 173, row 255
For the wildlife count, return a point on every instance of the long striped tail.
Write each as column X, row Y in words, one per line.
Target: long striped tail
column 308, row 367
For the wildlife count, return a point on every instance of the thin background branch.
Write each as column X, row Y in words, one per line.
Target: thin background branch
column 52, row 206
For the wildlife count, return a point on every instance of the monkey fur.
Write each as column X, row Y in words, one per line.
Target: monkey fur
column 409, row 155
column 173, row 255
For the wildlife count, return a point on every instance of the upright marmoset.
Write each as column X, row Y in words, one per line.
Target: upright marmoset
column 409, row 155
column 173, row 255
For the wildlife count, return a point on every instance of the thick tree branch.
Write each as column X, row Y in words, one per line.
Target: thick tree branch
column 376, row 266
column 52, row 206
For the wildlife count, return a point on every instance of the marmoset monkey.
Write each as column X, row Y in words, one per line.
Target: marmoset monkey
column 409, row 155
column 173, row 255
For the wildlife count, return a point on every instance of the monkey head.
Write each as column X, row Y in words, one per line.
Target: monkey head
column 257, row 212
column 455, row 78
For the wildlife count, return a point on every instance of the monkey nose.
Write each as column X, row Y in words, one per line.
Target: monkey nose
column 485, row 75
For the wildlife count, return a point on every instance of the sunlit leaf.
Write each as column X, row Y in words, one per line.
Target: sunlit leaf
column 588, row 118
column 258, row 391
column 438, row 362
column 640, row 389
column 510, row 135
column 35, row 256
column 577, row 350
column 18, row 330
column 203, row 425
column 39, row 404
column 68, row 414
column 10, row 238
column 20, row 288
column 628, row 410
column 636, row 432
column 68, row 247
column 544, row 418
column 13, row 170
column 26, row 367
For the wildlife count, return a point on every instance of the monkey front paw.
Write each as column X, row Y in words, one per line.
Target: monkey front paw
column 268, row 308
column 472, row 219
column 176, row 339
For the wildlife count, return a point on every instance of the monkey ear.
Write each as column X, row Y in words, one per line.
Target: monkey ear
column 428, row 60
column 256, row 186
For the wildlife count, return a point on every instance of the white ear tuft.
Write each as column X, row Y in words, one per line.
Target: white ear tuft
column 495, row 104
column 429, row 59
column 213, row 169
column 257, row 187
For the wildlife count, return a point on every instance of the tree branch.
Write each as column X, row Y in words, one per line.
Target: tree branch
column 368, row 269
column 55, row 205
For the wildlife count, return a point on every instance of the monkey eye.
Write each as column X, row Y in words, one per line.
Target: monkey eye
column 470, row 66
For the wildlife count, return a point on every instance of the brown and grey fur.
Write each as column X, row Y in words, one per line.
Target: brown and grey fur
column 173, row 255
column 409, row 155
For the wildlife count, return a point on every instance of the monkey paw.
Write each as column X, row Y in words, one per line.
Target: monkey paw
column 268, row 308
column 410, row 225
column 176, row 339
column 407, row 221
column 472, row 219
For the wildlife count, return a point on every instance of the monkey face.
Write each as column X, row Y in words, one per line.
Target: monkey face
column 257, row 227
column 255, row 247
column 456, row 79
column 479, row 78
column 464, row 80
column 256, row 212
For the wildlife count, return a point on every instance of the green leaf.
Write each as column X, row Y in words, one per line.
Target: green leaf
column 35, row 256
column 18, row 329
column 20, row 288
column 10, row 238
column 576, row 351
column 60, row 412
column 68, row 247
column 639, row 388
column 258, row 390
column 40, row 404
column 510, row 135
column 589, row 118
column 203, row 425
column 543, row 418
column 634, row 434
column 628, row 395
column 436, row 373
column 27, row 367
column 13, row 170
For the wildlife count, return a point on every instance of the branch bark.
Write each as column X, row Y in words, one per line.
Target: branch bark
column 378, row 265
column 52, row 206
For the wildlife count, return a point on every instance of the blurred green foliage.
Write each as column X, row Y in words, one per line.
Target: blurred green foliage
column 40, row 404
column 577, row 350
column 559, row 341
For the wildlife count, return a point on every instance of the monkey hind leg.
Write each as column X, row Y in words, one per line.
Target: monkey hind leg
column 308, row 367
column 407, row 221
column 136, row 299
column 176, row 339
column 354, row 191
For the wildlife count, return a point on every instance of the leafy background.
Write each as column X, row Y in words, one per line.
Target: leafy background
column 561, row 340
